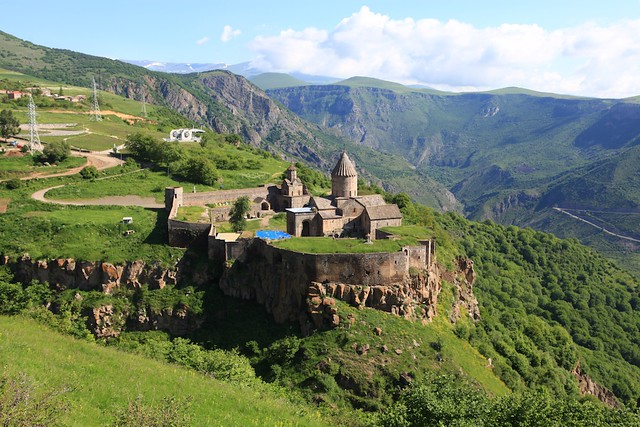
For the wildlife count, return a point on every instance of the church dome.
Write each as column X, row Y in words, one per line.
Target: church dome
column 344, row 167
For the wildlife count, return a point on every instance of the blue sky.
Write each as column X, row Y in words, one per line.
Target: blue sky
column 579, row 47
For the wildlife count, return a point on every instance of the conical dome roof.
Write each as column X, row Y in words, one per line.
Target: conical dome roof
column 344, row 167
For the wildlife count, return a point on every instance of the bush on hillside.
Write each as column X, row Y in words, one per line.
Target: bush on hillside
column 13, row 184
column 26, row 403
column 55, row 152
column 170, row 412
column 89, row 172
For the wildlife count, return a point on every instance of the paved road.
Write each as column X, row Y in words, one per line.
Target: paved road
column 564, row 211
column 145, row 202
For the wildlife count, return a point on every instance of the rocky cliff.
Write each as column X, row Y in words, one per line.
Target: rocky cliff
column 67, row 273
column 106, row 320
column 227, row 103
column 294, row 286
column 588, row 387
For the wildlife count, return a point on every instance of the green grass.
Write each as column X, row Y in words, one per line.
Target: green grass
column 144, row 184
column 14, row 167
column 192, row 214
column 328, row 245
column 88, row 233
column 94, row 142
column 417, row 231
column 411, row 347
column 103, row 380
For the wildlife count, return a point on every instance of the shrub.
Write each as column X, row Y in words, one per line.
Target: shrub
column 170, row 412
column 13, row 184
column 24, row 403
column 55, row 152
column 89, row 172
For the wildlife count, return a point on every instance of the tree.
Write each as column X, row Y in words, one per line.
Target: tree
column 142, row 146
column 9, row 125
column 237, row 216
column 233, row 139
column 199, row 169
column 55, row 152
column 167, row 153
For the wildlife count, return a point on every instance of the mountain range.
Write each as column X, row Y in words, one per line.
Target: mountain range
column 509, row 155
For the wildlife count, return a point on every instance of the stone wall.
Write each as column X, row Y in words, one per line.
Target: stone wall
column 279, row 279
column 222, row 196
column 182, row 234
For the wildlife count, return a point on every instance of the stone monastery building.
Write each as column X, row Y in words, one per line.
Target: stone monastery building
column 343, row 213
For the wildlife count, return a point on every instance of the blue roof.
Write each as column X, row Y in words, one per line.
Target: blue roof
column 272, row 234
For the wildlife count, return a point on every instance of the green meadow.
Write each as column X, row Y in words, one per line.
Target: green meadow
column 97, row 382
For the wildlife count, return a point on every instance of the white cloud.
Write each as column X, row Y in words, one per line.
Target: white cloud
column 587, row 60
column 202, row 40
column 229, row 33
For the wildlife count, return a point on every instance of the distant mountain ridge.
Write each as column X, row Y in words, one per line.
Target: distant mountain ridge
column 175, row 67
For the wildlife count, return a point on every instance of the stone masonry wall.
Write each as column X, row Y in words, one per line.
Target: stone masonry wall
column 193, row 199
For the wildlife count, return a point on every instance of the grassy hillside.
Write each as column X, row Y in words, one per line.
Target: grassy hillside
column 101, row 381
column 276, row 80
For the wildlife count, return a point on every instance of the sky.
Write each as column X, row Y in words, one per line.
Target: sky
column 587, row 47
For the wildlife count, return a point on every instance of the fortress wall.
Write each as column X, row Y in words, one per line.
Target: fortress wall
column 418, row 256
column 365, row 269
column 280, row 279
column 182, row 234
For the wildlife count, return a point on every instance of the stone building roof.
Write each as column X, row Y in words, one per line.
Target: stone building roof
column 383, row 212
column 344, row 167
column 328, row 214
column 371, row 200
column 321, row 203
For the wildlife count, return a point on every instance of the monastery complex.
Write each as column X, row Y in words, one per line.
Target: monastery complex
column 341, row 214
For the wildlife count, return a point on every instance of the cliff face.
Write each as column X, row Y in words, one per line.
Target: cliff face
column 294, row 286
column 105, row 320
column 588, row 387
column 228, row 103
column 68, row 273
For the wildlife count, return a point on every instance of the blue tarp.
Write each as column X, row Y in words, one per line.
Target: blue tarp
column 272, row 234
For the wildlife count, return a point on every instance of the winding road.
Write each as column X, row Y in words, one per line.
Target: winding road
column 101, row 160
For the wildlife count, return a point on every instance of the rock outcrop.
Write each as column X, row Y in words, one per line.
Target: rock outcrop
column 105, row 322
column 177, row 321
column 588, row 387
column 464, row 278
column 67, row 273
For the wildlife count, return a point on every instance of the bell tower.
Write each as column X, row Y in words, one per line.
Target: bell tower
column 344, row 178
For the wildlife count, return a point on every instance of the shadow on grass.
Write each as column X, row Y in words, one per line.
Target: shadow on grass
column 159, row 233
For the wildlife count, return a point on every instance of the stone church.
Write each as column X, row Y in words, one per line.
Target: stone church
column 343, row 213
